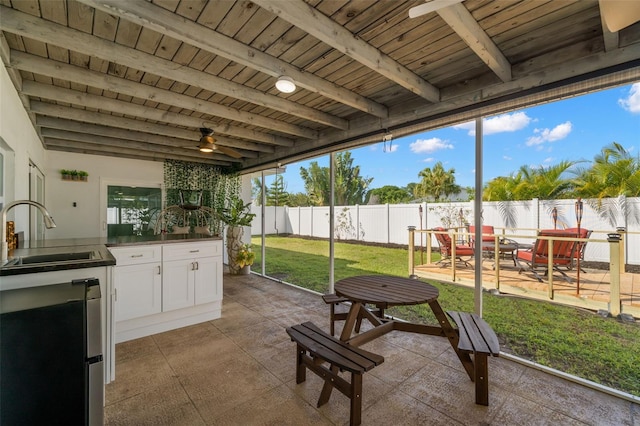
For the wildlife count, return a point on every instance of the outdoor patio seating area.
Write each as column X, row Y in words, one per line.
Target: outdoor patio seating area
column 523, row 269
column 241, row 369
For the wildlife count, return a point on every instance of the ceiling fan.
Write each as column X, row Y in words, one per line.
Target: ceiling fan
column 208, row 144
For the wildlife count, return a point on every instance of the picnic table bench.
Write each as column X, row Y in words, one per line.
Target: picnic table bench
column 315, row 347
column 476, row 337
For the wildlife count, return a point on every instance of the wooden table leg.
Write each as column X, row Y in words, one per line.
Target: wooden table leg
column 347, row 331
column 453, row 337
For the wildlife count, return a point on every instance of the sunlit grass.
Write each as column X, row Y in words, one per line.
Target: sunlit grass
column 603, row 350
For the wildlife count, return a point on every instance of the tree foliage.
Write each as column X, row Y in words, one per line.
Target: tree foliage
column 277, row 194
column 389, row 194
column 548, row 183
column 614, row 172
column 350, row 187
column 436, row 183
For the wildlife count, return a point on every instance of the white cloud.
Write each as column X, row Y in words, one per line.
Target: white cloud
column 632, row 102
column 429, row 145
column 559, row 132
column 498, row 124
column 507, row 158
column 429, row 160
column 392, row 148
column 548, row 160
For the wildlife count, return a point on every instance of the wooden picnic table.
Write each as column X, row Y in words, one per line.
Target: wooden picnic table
column 386, row 291
column 473, row 336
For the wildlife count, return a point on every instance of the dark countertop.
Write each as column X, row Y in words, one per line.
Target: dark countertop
column 98, row 246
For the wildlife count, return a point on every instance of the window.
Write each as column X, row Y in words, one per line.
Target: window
column 132, row 210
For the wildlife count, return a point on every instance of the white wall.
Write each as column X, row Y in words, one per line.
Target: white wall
column 20, row 140
column 86, row 219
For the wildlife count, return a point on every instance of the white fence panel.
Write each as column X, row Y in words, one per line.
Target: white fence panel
column 374, row 223
column 320, row 220
column 389, row 223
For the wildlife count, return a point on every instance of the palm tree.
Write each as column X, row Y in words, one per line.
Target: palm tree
column 614, row 172
column 437, row 182
column 613, row 176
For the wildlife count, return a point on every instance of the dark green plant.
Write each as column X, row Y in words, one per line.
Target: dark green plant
column 236, row 212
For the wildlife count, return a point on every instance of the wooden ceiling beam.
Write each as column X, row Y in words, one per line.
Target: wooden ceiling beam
column 131, row 135
column 126, row 128
column 82, row 148
column 88, row 139
column 307, row 18
column 165, row 22
column 464, row 24
column 87, row 100
column 45, row 31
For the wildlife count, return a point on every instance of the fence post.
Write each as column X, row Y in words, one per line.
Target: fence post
column 357, row 222
column 412, row 233
column 388, row 224
column 614, row 271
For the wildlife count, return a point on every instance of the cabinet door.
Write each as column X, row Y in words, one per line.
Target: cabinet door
column 178, row 284
column 208, row 280
column 138, row 290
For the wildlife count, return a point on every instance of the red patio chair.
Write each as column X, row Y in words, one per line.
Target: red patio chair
column 537, row 258
column 445, row 243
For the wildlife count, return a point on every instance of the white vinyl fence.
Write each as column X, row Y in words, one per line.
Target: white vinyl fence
column 388, row 223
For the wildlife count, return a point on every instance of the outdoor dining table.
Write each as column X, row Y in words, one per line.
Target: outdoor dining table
column 507, row 247
column 385, row 291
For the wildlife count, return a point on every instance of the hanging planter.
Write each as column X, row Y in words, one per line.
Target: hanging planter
column 80, row 175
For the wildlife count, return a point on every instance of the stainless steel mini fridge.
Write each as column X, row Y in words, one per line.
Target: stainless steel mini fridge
column 51, row 366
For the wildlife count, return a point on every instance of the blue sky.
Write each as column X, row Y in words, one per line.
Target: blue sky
column 572, row 129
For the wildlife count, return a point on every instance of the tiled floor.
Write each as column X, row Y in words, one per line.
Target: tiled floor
column 239, row 370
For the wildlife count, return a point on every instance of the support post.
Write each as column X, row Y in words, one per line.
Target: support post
column 622, row 231
column 412, row 233
column 614, row 271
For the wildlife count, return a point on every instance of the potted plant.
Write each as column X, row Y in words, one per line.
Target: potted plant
column 245, row 258
column 235, row 214
column 66, row 174
column 82, row 175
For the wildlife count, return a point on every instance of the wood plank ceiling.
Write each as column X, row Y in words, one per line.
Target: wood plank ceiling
column 138, row 78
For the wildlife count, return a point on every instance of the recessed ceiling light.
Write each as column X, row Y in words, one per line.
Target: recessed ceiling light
column 285, row 84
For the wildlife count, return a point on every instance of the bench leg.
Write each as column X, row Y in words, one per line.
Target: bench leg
column 332, row 317
column 301, row 369
column 355, row 417
column 481, row 379
column 327, row 388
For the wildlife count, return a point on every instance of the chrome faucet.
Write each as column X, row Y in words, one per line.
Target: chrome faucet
column 48, row 222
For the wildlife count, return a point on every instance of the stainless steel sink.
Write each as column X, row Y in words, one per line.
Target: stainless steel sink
column 54, row 258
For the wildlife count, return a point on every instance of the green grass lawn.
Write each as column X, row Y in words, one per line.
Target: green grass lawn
column 603, row 350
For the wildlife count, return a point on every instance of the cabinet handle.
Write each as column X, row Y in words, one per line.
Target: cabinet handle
column 193, row 266
column 159, row 270
column 137, row 255
column 197, row 266
column 194, row 251
column 115, row 294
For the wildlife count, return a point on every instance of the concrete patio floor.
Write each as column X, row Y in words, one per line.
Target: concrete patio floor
column 240, row 370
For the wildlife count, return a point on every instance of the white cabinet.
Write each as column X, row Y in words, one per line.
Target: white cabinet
column 137, row 281
column 192, row 275
column 160, row 287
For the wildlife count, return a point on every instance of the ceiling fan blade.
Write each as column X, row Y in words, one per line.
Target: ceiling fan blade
column 430, row 6
column 228, row 151
column 619, row 14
